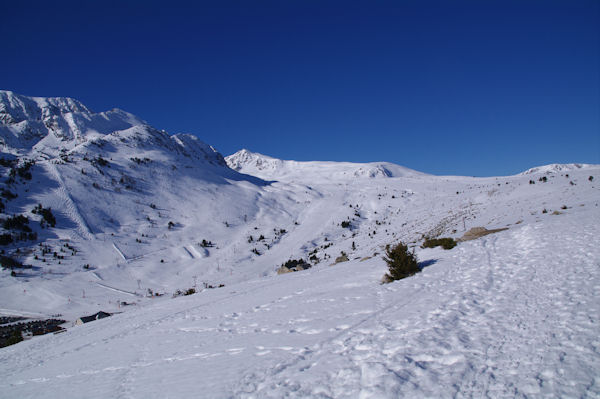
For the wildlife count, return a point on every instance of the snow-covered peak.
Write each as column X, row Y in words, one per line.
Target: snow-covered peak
column 245, row 160
column 267, row 167
column 557, row 168
column 37, row 126
column 15, row 108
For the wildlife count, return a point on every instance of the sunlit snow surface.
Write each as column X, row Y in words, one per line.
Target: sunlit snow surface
column 512, row 314
column 509, row 315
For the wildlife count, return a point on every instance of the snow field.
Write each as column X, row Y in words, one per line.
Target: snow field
column 501, row 317
column 510, row 315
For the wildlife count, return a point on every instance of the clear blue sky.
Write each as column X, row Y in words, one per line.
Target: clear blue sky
column 446, row 87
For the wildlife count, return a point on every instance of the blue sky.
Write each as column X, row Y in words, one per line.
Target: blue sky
column 445, row 87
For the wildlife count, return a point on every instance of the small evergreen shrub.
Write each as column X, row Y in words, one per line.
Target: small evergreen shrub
column 46, row 214
column 14, row 338
column 401, row 263
column 8, row 194
column 10, row 263
column 24, row 170
column 446, row 243
column 140, row 161
column 206, row 244
column 17, row 222
column 294, row 263
column 5, row 239
column 100, row 161
column 346, row 224
column 7, row 163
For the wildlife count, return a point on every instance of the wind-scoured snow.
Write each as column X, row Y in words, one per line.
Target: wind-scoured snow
column 511, row 314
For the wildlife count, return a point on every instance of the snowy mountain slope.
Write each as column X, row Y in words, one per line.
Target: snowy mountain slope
column 140, row 212
column 137, row 205
column 511, row 315
column 135, row 196
column 270, row 168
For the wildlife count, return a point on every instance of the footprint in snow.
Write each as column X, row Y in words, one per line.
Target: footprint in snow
column 235, row 351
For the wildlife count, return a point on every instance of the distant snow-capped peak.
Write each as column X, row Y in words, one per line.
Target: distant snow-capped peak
column 245, row 159
column 557, row 168
column 267, row 167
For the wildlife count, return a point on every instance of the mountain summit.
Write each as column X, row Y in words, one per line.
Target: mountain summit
column 37, row 125
column 43, row 128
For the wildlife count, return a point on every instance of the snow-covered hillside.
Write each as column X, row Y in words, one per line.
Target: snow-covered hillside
column 137, row 197
column 271, row 168
column 141, row 214
column 509, row 315
column 558, row 168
